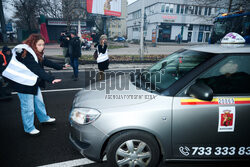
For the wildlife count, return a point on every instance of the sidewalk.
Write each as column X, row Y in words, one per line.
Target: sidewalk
column 112, row 66
column 132, row 49
column 53, row 51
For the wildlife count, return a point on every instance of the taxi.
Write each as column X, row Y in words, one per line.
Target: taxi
column 192, row 105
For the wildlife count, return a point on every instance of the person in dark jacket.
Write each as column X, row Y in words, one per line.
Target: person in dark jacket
column 103, row 58
column 64, row 44
column 5, row 58
column 26, row 75
column 74, row 53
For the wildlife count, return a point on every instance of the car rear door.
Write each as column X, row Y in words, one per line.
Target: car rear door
column 217, row 128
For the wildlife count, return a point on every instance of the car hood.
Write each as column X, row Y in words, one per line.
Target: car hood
column 113, row 92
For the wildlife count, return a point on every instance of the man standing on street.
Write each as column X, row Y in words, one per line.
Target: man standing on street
column 64, row 43
column 74, row 52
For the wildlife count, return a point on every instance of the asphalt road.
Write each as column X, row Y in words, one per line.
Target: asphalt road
column 52, row 147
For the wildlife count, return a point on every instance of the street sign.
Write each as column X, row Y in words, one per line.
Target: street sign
column 9, row 27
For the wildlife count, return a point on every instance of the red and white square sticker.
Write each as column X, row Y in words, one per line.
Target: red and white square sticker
column 226, row 119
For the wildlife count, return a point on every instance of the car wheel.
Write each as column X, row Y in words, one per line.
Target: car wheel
column 133, row 148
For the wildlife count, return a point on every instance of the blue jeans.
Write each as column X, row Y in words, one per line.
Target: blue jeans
column 29, row 104
column 74, row 64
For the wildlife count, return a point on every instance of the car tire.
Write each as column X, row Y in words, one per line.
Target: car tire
column 133, row 148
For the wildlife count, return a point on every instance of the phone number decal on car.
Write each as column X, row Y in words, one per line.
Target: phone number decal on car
column 216, row 151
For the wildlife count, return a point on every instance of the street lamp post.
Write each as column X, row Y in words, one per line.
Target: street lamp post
column 142, row 31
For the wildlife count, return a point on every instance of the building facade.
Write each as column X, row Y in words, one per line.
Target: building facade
column 117, row 25
column 170, row 18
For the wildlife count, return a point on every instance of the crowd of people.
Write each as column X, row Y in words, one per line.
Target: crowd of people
column 22, row 68
column 72, row 44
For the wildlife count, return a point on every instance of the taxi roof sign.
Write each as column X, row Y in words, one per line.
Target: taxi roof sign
column 232, row 38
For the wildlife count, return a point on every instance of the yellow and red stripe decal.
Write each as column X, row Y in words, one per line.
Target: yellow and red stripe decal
column 216, row 101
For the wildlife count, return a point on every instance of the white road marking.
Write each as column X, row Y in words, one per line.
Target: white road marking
column 71, row 163
column 56, row 90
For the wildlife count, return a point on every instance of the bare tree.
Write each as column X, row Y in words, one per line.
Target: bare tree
column 73, row 10
column 27, row 12
column 230, row 5
column 237, row 5
column 3, row 27
column 52, row 8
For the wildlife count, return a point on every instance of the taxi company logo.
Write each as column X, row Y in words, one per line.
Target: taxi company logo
column 227, row 118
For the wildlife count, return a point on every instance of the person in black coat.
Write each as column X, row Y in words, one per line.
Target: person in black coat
column 30, row 96
column 74, row 53
column 7, row 56
column 64, row 44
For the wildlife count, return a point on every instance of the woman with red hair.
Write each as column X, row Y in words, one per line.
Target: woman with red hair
column 26, row 75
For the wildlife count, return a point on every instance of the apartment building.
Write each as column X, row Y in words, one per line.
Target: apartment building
column 117, row 25
column 170, row 18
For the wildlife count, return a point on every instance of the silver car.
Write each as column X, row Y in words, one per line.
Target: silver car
column 192, row 105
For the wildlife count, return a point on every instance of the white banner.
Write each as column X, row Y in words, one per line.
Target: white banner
column 104, row 7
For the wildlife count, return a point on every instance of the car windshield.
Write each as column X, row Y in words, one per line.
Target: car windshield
column 170, row 69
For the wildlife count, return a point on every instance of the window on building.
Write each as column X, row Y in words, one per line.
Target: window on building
column 153, row 9
column 162, row 8
column 135, row 29
column 130, row 16
column 200, row 10
column 186, row 9
column 167, row 8
column 191, row 9
column 147, row 11
column 190, row 27
column 182, row 9
column 82, row 3
column 209, row 11
column 201, row 28
column 178, row 9
column 171, row 8
column 196, row 10
column 207, row 28
column 205, row 12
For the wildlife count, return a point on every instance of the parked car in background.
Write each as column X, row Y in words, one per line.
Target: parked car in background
column 192, row 105
column 119, row 39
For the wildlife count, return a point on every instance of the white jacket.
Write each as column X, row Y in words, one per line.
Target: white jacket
column 17, row 71
column 102, row 56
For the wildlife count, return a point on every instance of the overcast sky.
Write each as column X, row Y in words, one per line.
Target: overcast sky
column 131, row 1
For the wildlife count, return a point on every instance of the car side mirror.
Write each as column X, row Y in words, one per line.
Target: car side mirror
column 200, row 91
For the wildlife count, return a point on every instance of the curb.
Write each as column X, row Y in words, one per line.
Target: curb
column 83, row 62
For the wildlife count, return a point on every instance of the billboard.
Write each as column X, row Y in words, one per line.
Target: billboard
column 105, row 7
